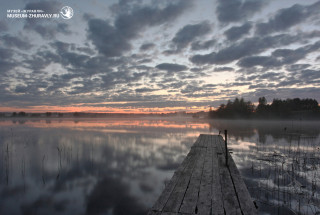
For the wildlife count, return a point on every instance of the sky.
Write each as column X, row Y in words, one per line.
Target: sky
column 157, row 55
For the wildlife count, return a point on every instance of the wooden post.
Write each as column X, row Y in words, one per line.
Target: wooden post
column 226, row 144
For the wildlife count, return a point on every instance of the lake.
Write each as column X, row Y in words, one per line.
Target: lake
column 120, row 166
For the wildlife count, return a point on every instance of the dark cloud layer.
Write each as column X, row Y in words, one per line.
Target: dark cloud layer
column 188, row 33
column 171, row 68
column 46, row 6
column 236, row 32
column 17, row 42
column 288, row 17
column 237, row 10
column 147, row 46
column 47, row 30
column 117, row 59
column 279, row 57
column 223, row 69
column 3, row 26
column 6, row 63
column 115, row 39
column 198, row 45
column 247, row 47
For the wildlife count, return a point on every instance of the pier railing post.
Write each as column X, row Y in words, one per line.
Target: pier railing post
column 226, row 145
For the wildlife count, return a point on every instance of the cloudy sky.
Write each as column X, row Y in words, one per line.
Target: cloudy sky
column 158, row 55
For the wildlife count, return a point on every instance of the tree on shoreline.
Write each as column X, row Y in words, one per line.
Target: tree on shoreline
column 283, row 109
column 236, row 109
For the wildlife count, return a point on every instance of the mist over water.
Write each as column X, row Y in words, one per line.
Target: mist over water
column 121, row 166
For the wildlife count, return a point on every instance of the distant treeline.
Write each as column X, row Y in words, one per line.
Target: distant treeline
column 282, row 109
column 22, row 114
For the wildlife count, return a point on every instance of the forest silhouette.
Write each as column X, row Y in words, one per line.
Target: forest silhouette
column 279, row 109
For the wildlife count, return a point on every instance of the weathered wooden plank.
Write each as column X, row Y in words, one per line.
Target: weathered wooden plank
column 218, row 144
column 175, row 199
column 230, row 201
column 207, row 141
column 204, row 142
column 205, row 193
column 154, row 213
column 199, row 141
column 162, row 200
column 170, row 213
column 208, row 185
column 190, row 199
column 217, row 198
column 203, row 184
column 244, row 198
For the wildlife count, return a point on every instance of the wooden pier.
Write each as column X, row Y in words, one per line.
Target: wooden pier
column 204, row 184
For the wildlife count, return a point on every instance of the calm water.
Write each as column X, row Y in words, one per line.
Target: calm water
column 120, row 166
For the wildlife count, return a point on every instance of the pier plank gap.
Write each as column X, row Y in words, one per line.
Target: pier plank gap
column 203, row 184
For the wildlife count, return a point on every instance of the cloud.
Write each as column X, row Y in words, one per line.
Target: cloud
column 279, row 57
column 21, row 89
column 80, row 73
column 236, row 32
column 171, row 68
column 5, row 66
column 147, row 46
column 3, row 26
column 107, row 39
column 46, row 6
column 223, row 69
column 288, row 82
column 247, row 47
column 237, row 10
column 191, row 88
column 296, row 67
column 5, row 53
column 40, row 60
column 6, row 62
column 145, row 90
column 288, row 92
column 47, row 30
column 17, row 42
column 288, row 17
column 264, row 61
column 114, row 39
column 308, row 75
column 61, row 47
column 188, row 33
column 198, row 45
column 263, row 78
column 237, row 84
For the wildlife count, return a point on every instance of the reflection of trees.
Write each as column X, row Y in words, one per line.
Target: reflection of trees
column 239, row 129
column 288, row 130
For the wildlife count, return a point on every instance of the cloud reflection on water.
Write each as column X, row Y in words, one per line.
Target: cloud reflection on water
column 117, row 166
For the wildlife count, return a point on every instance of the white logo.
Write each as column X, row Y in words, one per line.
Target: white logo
column 66, row 12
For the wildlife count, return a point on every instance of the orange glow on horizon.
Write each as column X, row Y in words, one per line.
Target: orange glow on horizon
column 113, row 124
column 90, row 109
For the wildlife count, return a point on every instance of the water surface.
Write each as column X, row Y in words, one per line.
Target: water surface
column 121, row 166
